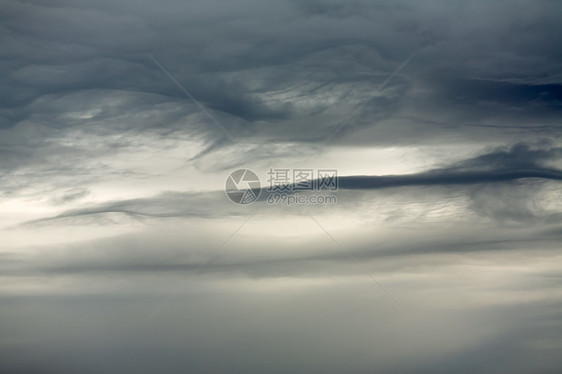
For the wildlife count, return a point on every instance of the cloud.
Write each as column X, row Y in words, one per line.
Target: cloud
column 111, row 186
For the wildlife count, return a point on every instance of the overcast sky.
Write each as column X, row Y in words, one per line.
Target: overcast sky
column 121, row 121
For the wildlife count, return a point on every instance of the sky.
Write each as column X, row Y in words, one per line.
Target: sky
column 438, row 250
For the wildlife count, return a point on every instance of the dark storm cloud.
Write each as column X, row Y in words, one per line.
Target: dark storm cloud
column 107, row 119
column 440, row 179
column 230, row 66
column 519, row 161
column 544, row 96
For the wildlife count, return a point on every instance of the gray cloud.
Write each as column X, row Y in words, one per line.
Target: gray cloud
column 110, row 186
